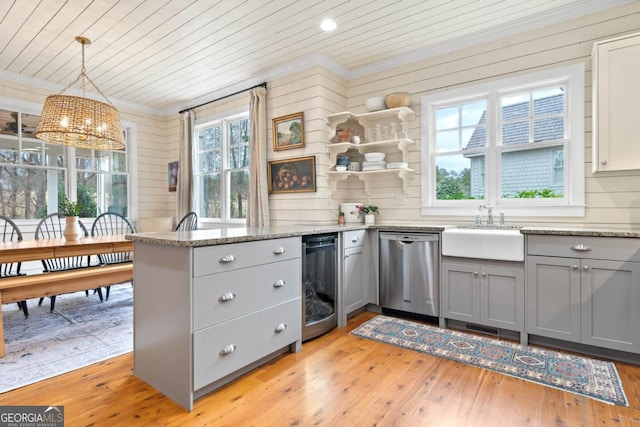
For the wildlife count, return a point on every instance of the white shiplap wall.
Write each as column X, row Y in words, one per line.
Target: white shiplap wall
column 613, row 199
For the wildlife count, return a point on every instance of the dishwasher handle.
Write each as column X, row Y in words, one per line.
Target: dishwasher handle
column 409, row 237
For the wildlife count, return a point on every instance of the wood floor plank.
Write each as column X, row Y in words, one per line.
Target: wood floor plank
column 336, row 380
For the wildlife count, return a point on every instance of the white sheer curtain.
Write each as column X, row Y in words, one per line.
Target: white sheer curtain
column 258, row 207
column 185, row 201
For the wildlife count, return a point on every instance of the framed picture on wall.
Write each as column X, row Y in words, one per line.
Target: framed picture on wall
column 292, row 175
column 173, row 176
column 288, row 132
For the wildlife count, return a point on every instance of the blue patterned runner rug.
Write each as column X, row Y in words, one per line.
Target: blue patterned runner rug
column 592, row 378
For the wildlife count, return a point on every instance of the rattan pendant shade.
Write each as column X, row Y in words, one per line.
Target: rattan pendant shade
column 80, row 122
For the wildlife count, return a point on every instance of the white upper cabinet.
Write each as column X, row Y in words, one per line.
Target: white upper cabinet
column 616, row 93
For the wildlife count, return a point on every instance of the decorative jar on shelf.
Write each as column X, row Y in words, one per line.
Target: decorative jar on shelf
column 72, row 230
column 369, row 219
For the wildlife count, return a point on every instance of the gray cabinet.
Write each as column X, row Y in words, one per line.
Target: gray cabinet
column 587, row 292
column 485, row 293
column 355, row 278
column 205, row 315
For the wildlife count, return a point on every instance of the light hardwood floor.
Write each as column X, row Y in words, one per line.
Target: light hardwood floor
column 336, row 380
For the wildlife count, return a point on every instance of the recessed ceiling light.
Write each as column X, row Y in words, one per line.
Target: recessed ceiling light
column 328, row 25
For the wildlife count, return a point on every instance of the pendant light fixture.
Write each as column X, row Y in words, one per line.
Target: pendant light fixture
column 80, row 121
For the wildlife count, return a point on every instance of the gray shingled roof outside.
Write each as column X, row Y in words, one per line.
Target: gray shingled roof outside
column 518, row 132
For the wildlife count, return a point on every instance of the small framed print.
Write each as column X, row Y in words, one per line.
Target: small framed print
column 288, row 132
column 173, row 176
column 292, row 175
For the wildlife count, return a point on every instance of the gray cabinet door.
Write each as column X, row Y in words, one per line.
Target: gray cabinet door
column 354, row 278
column 502, row 297
column 461, row 292
column 611, row 304
column 553, row 297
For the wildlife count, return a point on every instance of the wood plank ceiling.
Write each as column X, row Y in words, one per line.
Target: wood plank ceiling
column 165, row 54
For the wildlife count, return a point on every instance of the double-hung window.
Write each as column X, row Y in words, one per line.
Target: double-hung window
column 222, row 169
column 516, row 143
column 34, row 175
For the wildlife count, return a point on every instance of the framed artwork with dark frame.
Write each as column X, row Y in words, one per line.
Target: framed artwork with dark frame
column 288, row 132
column 292, row 175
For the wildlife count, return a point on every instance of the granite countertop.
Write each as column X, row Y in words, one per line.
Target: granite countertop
column 248, row 234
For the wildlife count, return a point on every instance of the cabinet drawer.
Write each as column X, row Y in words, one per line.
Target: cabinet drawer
column 354, row 238
column 251, row 337
column 224, row 296
column 611, row 248
column 234, row 256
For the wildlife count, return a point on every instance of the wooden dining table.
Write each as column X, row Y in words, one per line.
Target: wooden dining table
column 36, row 285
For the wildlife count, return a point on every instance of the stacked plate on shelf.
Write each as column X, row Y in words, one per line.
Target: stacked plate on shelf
column 374, row 162
column 398, row 165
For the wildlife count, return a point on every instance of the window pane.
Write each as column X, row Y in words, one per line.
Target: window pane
column 54, row 155
column 548, row 129
column 474, row 137
column 210, row 206
column 84, row 159
column 29, row 193
column 118, row 161
column 8, row 150
column 238, row 194
column 448, row 140
column 209, row 161
column 32, row 153
column 239, row 131
column 101, row 192
column 209, row 138
column 102, row 160
column 239, row 157
column 8, row 122
column 548, row 101
column 515, row 107
column 29, row 125
column 473, row 114
column 515, row 133
column 447, row 118
column 531, row 173
column 454, row 177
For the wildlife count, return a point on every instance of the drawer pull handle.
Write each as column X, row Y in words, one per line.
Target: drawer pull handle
column 227, row 350
column 279, row 250
column 227, row 297
column 227, row 258
column 279, row 283
column 355, row 239
column 581, row 248
column 281, row 327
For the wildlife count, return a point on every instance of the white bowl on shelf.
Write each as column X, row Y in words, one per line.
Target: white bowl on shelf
column 341, row 168
column 374, row 157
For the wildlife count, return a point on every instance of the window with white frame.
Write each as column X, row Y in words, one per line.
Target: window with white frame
column 516, row 143
column 35, row 174
column 221, row 169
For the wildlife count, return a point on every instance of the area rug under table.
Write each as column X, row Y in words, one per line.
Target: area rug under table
column 81, row 331
column 588, row 377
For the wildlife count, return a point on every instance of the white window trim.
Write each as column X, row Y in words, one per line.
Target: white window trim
column 226, row 116
column 573, row 204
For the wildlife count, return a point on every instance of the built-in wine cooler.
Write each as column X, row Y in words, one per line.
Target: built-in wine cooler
column 319, row 284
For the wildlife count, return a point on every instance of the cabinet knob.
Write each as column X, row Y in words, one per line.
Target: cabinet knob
column 227, row 350
column 585, row 268
column 575, row 267
column 279, row 250
column 475, row 273
column 227, row 297
column 281, row 327
column 604, row 162
column 355, row 239
column 279, row 283
column 484, row 274
column 227, row 259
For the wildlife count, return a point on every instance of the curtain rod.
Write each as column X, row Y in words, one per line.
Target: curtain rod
column 263, row 84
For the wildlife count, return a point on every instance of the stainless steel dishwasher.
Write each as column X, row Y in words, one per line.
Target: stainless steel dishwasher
column 409, row 272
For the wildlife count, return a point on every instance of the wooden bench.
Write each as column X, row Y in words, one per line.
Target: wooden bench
column 21, row 288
